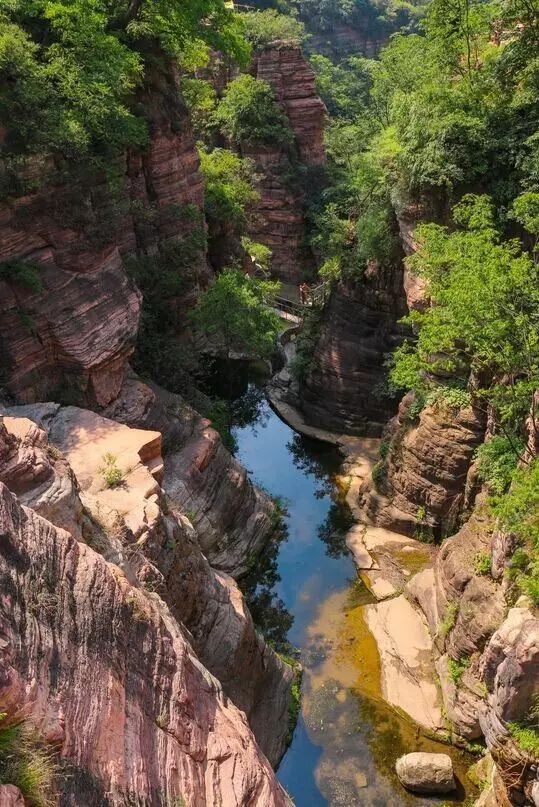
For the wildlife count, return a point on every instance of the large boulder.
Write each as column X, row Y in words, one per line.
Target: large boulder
column 426, row 773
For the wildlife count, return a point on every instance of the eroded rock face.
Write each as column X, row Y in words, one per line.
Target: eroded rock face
column 72, row 335
column 39, row 475
column 149, row 722
column 343, row 391
column 149, row 536
column 293, row 80
column 510, row 670
column 278, row 217
column 425, row 473
column 231, row 516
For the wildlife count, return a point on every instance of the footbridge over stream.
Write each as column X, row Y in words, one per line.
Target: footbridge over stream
column 289, row 306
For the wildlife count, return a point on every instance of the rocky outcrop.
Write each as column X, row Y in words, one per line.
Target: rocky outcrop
column 150, row 537
column 68, row 334
column 286, row 69
column 510, row 670
column 344, row 389
column 278, row 217
column 108, row 676
column 426, row 479
column 232, row 517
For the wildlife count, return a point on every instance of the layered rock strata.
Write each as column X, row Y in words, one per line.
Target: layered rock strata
column 233, row 518
column 149, row 723
column 344, row 390
column 427, row 478
column 151, row 538
column 278, row 217
column 68, row 334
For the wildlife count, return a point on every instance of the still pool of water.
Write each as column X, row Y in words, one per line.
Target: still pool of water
column 346, row 740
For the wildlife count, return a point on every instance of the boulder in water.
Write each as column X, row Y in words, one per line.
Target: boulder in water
column 426, row 773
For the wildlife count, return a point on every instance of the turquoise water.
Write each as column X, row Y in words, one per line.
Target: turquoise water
column 346, row 740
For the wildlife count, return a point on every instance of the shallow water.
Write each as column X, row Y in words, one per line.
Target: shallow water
column 347, row 740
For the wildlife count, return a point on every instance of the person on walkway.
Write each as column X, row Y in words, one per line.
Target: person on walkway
column 304, row 293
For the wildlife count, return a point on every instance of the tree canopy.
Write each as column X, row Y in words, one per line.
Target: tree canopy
column 69, row 69
column 249, row 113
column 234, row 311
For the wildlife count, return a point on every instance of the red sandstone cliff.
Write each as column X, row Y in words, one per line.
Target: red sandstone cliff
column 108, row 676
column 279, row 216
column 151, row 722
column 76, row 334
column 344, row 389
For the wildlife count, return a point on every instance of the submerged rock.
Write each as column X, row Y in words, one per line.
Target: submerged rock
column 426, row 773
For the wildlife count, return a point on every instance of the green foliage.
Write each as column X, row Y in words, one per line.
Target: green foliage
column 344, row 87
column 164, row 279
column 295, row 694
column 111, row 473
column 305, row 345
column 21, row 273
column 518, row 512
column 235, row 311
column 486, row 314
column 482, row 563
column 456, row 669
column 249, row 113
column 384, row 449
column 455, row 102
column 69, row 69
column 497, row 461
column 449, row 620
column 228, row 182
column 264, row 27
column 201, row 100
column 374, row 19
column 26, row 763
column 379, row 473
column 449, row 396
column 260, row 252
column 526, row 736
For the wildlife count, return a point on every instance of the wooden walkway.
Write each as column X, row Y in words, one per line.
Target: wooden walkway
column 288, row 304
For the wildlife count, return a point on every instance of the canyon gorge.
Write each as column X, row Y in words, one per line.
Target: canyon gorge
column 264, row 595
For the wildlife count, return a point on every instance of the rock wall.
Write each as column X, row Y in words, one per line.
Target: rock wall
column 278, row 219
column 150, row 537
column 72, row 336
column 344, row 40
column 108, row 675
column 145, row 535
column 344, row 389
column 427, row 478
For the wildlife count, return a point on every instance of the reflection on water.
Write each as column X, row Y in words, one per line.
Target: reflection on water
column 347, row 739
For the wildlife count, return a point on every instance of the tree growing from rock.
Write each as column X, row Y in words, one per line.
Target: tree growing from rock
column 235, row 312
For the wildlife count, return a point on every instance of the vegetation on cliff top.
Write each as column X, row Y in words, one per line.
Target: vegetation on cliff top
column 70, row 70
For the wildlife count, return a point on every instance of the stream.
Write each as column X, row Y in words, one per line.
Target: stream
column 347, row 739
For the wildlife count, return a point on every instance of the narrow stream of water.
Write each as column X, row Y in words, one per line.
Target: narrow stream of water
column 347, row 740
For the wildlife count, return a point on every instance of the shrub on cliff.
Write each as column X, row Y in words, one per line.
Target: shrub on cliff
column 26, row 763
column 229, row 187
column 249, row 113
column 485, row 317
column 235, row 312
column 264, row 27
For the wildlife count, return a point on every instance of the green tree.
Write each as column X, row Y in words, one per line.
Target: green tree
column 484, row 317
column 249, row 113
column 263, row 27
column 229, row 187
column 236, row 312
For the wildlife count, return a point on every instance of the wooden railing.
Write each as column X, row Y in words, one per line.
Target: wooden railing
column 316, row 298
